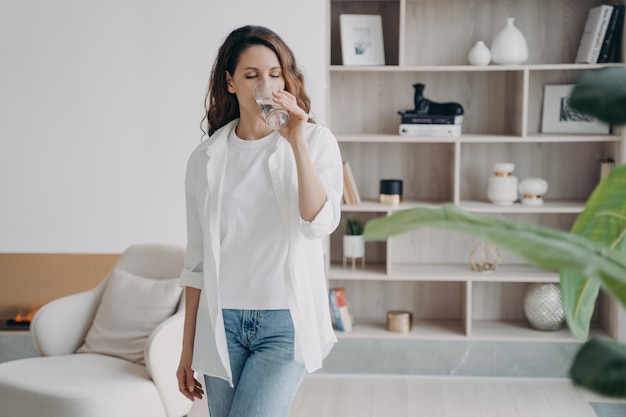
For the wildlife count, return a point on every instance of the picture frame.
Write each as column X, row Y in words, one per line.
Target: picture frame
column 558, row 117
column 362, row 39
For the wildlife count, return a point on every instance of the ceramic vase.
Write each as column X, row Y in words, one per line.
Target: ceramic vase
column 509, row 45
column 543, row 307
column 502, row 187
column 531, row 190
column 479, row 54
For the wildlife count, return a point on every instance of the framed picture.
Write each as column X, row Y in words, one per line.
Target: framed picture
column 558, row 117
column 362, row 39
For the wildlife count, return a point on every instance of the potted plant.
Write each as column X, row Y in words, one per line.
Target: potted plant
column 590, row 256
column 353, row 241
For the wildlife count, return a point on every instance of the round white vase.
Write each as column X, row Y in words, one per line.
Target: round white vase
column 509, row 45
column 531, row 190
column 543, row 306
column 502, row 187
column 479, row 54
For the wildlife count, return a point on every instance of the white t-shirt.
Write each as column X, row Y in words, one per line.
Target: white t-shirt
column 253, row 233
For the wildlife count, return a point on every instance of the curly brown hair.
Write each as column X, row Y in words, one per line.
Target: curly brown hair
column 222, row 106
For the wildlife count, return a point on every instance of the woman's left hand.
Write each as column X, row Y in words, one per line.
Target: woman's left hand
column 297, row 116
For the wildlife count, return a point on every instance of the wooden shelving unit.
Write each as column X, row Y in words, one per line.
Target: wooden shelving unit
column 427, row 271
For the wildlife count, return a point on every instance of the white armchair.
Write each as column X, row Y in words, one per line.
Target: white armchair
column 110, row 351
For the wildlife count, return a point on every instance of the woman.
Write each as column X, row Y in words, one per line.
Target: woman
column 259, row 203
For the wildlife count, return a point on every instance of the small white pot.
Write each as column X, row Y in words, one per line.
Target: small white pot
column 353, row 246
column 531, row 190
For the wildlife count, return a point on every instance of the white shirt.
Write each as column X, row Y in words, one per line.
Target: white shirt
column 253, row 233
column 307, row 292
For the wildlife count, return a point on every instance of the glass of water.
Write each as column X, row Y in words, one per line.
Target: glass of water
column 275, row 116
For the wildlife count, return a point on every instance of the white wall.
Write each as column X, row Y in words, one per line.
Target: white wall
column 100, row 103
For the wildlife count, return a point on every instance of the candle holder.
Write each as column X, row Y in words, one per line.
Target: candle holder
column 531, row 190
column 502, row 187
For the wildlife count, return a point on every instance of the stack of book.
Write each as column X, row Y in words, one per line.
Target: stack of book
column 602, row 35
column 340, row 311
column 422, row 124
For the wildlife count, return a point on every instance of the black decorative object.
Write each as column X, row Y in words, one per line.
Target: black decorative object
column 390, row 191
column 426, row 106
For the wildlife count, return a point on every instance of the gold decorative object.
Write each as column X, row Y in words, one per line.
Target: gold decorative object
column 399, row 321
column 484, row 256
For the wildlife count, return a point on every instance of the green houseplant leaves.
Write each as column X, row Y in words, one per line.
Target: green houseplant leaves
column 602, row 94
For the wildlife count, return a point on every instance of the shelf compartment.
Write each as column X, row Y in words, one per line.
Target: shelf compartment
column 368, row 102
column 370, row 301
column 412, row 163
column 390, row 13
column 572, row 180
column 443, row 31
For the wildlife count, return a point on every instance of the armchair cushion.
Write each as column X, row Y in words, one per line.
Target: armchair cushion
column 77, row 385
column 131, row 307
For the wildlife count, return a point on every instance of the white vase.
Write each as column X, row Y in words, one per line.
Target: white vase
column 509, row 45
column 502, row 187
column 479, row 54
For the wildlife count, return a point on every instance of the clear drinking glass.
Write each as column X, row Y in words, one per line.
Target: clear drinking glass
column 275, row 116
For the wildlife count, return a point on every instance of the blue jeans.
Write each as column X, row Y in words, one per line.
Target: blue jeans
column 265, row 375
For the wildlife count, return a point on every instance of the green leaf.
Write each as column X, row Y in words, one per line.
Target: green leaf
column 600, row 365
column 579, row 294
column 603, row 221
column 602, row 94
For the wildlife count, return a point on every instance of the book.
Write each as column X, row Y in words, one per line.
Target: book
column 340, row 310
column 614, row 30
column 436, row 130
column 350, row 191
column 593, row 34
column 409, row 117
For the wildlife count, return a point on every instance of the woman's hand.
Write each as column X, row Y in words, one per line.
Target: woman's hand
column 297, row 117
column 187, row 384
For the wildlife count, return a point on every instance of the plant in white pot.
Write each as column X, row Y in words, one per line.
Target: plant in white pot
column 353, row 241
column 592, row 255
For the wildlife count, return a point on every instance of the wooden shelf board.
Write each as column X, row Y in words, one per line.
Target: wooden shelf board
column 422, row 330
column 390, row 138
column 519, row 331
column 442, row 272
column 549, row 206
column 373, row 206
column 351, row 137
column 470, row 68
column 372, row 272
column 487, row 331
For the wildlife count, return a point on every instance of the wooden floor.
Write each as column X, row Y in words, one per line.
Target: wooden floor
column 403, row 396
